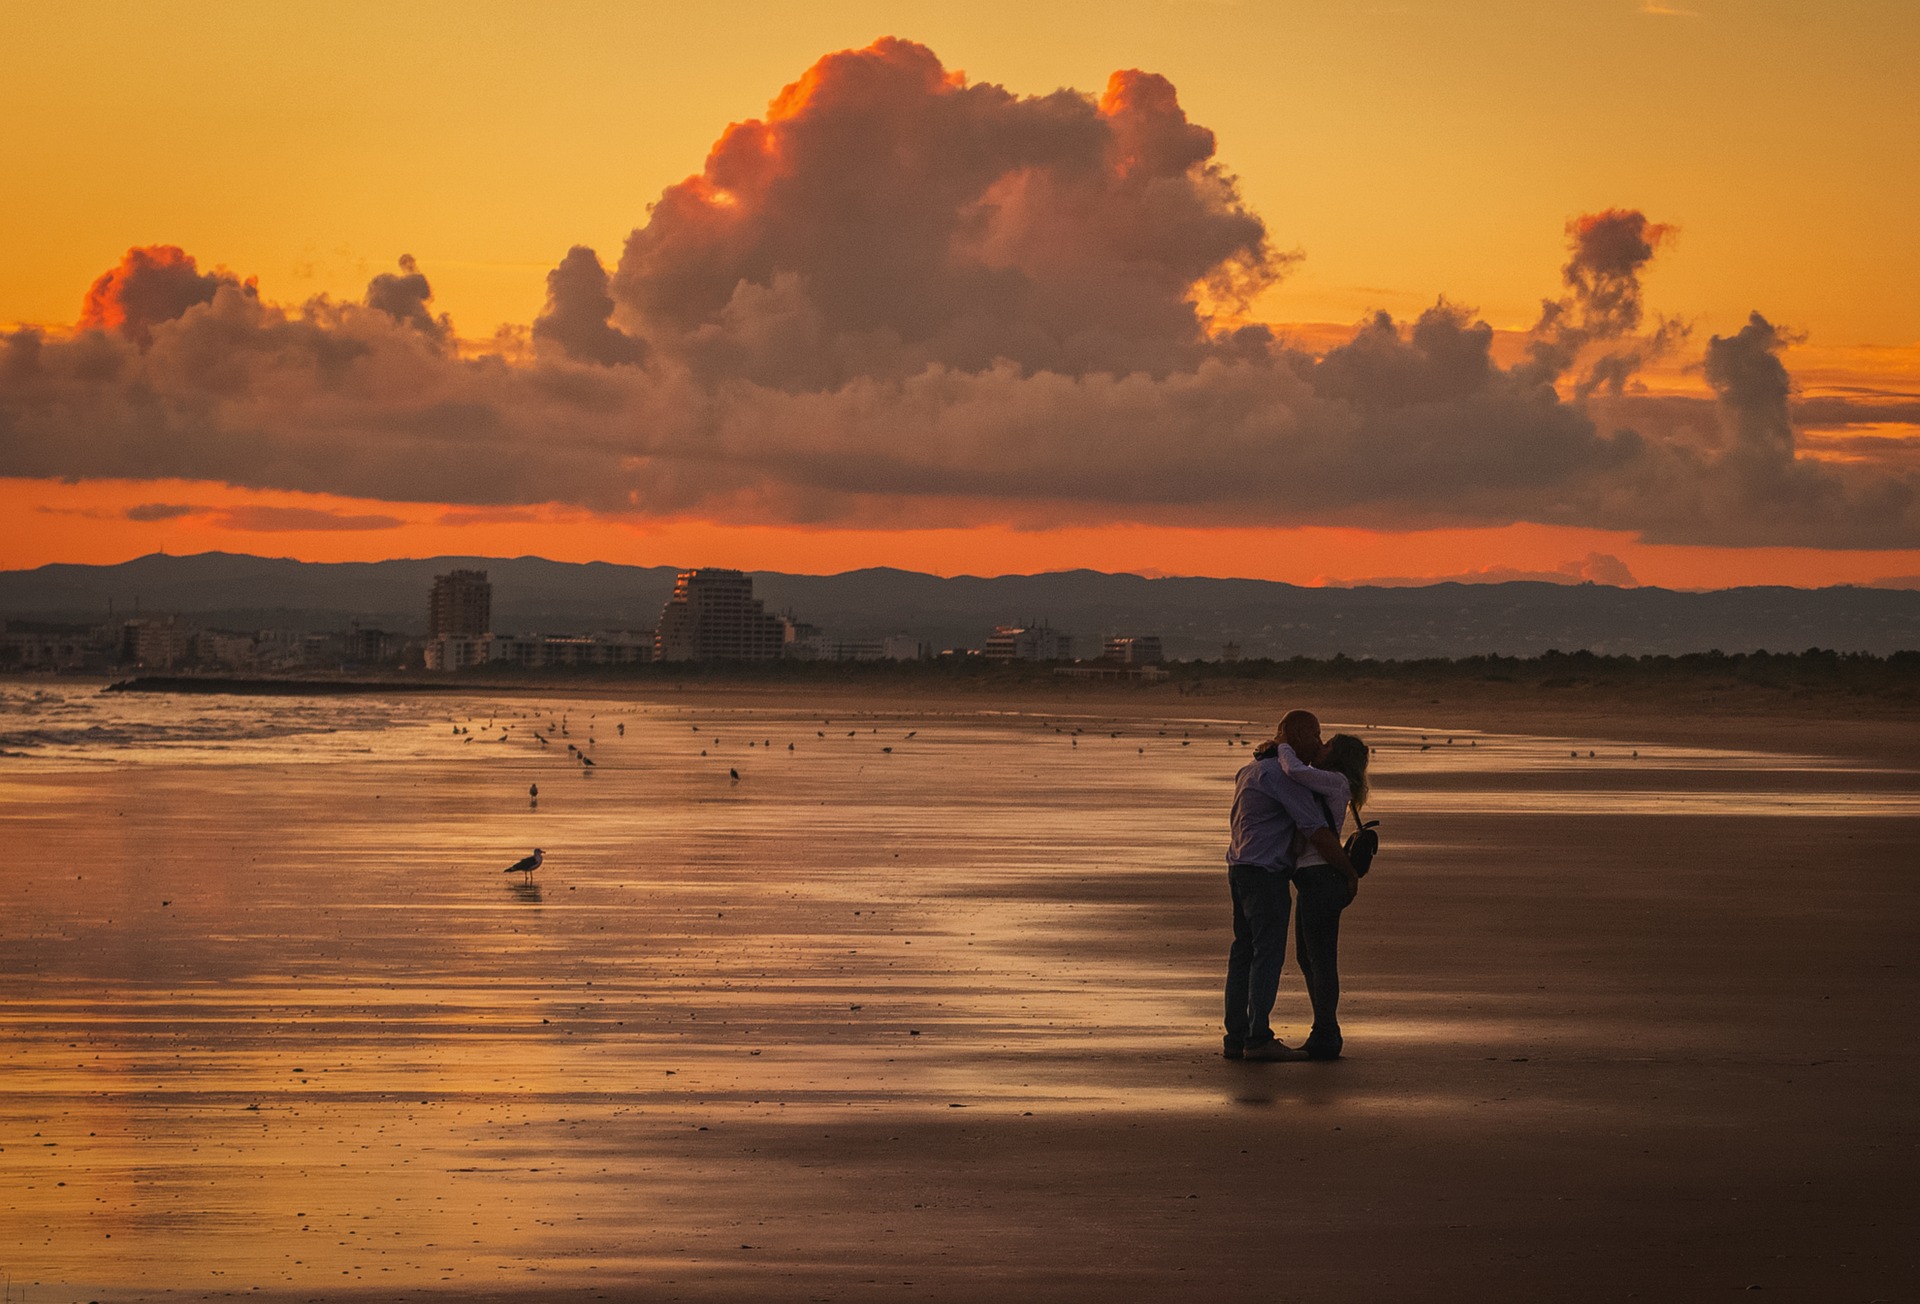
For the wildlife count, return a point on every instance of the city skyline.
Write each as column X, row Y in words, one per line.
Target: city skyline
column 1623, row 367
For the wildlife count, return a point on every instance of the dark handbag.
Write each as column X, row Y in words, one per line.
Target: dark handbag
column 1363, row 844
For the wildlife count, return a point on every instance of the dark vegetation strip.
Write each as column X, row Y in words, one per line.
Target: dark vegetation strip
column 1894, row 676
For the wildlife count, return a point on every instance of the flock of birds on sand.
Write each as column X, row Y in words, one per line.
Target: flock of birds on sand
column 561, row 728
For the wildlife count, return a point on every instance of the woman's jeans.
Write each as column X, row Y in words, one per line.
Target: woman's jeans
column 1316, row 949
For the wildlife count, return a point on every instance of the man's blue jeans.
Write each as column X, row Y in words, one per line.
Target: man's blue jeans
column 1260, row 909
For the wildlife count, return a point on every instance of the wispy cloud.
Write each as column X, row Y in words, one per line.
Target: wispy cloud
column 1595, row 568
column 273, row 520
column 161, row 511
column 489, row 516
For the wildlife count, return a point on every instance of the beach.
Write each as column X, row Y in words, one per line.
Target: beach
column 924, row 1003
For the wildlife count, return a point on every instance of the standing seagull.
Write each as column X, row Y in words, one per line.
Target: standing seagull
column 526, row 864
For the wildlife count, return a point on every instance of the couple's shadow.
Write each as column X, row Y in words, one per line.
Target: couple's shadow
column 1263, row 1086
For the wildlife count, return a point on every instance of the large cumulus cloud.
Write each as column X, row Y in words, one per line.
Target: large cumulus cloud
column 904, row 297
column 887, row 215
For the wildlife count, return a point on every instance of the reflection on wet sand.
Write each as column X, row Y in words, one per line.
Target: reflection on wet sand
column 272, row 1021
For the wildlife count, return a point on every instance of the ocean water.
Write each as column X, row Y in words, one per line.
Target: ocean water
column 274, row 1015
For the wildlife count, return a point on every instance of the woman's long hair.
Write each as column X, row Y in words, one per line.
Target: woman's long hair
column 1349, row 756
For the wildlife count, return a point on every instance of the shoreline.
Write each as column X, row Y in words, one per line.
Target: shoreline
column 1879, row 728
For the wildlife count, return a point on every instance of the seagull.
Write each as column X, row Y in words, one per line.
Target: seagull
column 733, row 774
column 533, row 791
column 585, row 759
column 527, row 864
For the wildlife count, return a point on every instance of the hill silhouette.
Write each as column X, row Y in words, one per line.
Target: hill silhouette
column 1194, row 617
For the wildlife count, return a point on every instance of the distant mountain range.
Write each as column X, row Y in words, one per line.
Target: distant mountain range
column 1193, row 617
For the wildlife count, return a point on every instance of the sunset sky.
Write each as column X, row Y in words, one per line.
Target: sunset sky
column 978, row 288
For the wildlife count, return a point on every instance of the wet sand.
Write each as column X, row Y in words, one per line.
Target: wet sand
column 940, row 1022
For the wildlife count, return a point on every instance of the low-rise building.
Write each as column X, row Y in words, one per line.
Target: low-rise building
column 1108, row 670
column 810, row 643
column 155, row 642
column 455, row 652
column 803, row 642
column 280, row 649
column 367, row 646
column 1029, row 643
column 1133, row 650
column 225, row 649
column 57, row 648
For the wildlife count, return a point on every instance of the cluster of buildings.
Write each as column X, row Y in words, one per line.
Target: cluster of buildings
column 712, row 615
column 169, row 643
column 460, row 634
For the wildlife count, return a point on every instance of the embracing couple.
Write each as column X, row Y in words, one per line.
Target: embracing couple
column 1289, row 803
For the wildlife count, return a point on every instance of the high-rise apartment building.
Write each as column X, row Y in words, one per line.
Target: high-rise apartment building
column 713, row 616
column 461, row 606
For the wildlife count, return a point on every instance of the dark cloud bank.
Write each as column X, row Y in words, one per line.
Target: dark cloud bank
column 902, row 298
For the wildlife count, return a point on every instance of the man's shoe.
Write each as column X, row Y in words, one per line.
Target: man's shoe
column 1273, row 1052
column 1232, row 1050
column 1314, row 1052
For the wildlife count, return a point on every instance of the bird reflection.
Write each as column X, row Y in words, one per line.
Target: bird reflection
column 526, row 891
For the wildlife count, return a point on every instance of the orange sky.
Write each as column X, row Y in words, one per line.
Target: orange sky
column 50, row 521
column 1405, row 152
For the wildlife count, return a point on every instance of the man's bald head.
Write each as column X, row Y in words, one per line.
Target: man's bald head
column 1300, row 730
